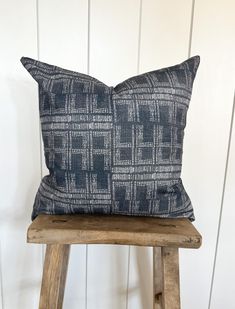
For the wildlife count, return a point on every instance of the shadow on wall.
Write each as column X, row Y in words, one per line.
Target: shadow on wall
column 140, row 290
column 144, row 266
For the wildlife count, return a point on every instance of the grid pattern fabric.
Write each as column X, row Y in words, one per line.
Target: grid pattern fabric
column 113, row 150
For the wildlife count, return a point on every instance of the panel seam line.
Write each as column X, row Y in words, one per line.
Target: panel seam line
column 191, row 28
column 222, row 200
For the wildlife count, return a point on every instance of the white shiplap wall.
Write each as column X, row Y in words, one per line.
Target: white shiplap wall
column 206, row 140
column 20, row 159
column 113, row 40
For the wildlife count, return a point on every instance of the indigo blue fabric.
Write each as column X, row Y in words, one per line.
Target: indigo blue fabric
column 113, row 150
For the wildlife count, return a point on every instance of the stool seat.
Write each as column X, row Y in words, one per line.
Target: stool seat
column 113, row 229
column 166, row 236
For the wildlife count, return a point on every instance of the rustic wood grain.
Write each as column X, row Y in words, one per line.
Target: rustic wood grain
column 113, row 229
column 54, row 276
column 170, row 282
column 157, row 278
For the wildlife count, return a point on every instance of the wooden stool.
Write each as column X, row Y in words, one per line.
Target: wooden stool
column 165, row 235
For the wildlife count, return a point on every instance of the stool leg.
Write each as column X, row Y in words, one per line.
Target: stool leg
column 157, row 278
column 166, row 278
column 54, row 276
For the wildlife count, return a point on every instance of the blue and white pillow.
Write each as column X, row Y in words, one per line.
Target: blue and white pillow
column 113, row 150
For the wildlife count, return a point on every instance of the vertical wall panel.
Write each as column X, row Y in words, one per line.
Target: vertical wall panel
column 20, row 147
column 223, row 286
column 206, row 140
column 161, row 30
column 113, row 57
column 114, row 40
column 165, row 33
column 63, row 34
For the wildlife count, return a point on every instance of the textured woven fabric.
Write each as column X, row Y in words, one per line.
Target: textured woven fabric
column 113, row 150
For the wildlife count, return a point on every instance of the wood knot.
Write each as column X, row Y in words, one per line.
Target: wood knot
column 167, row 225
column 58, row 220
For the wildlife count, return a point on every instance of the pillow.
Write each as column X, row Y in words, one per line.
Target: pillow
column 113, row 150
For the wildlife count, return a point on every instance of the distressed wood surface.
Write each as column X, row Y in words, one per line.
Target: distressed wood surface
column 166, row 278
column 54, row 276
column 113, row 229
column 170, row 275
column 157, row 278
column 166, row 283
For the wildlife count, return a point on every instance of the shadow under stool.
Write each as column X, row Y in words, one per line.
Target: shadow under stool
column 166, row 236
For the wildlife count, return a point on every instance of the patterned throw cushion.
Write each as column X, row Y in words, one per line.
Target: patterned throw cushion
column 113, row 150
